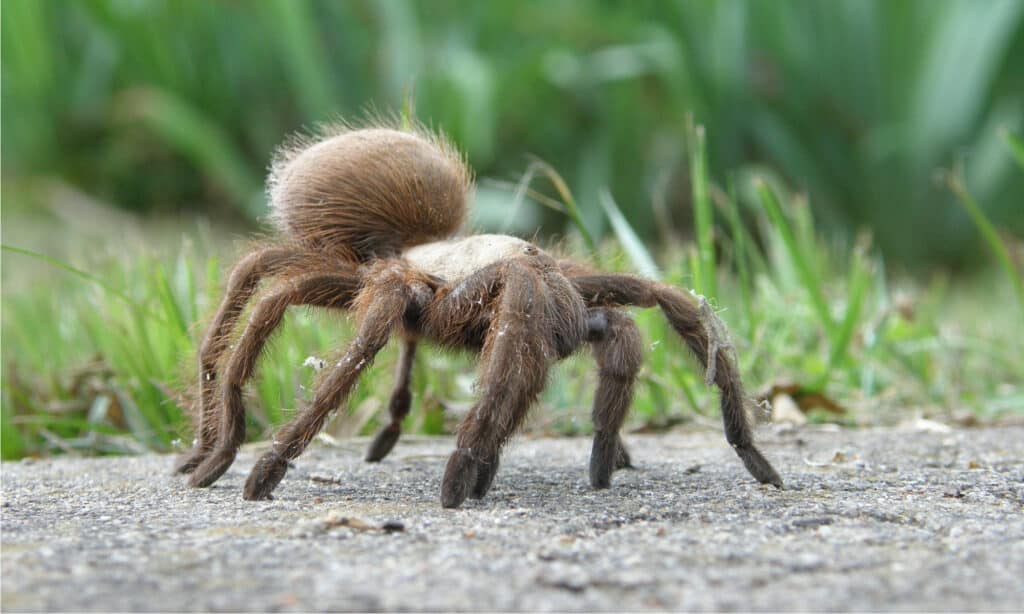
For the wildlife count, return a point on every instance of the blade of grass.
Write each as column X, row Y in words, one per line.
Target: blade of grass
column 12, row 444
column 185, row 282
column 704, row 282
column 630, row 241
column 1016, row 146
column 86, row 276
column 954, row 179
column 859, row 279
column 742, row 259
column 693, row 263
column 571, row 209
column 166, row 295
column 805, row 270
column 521, row 190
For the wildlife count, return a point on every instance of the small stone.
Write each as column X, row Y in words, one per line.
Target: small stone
column 811, row 523
column 393, row 526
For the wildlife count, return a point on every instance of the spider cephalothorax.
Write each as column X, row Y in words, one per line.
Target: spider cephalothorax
column 365, row 216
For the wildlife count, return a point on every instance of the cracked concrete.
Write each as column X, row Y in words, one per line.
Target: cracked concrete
column 870, row 520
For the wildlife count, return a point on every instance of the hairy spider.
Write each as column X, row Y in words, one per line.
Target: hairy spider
column 366, row 217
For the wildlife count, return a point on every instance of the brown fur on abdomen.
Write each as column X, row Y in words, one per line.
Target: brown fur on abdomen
column 368, row 193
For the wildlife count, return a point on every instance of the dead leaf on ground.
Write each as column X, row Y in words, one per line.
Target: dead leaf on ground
column 805, row 399
column 335, row 519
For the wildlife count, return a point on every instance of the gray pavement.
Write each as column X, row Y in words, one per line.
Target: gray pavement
column 870, row 520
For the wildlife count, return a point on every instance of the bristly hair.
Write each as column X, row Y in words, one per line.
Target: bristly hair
column 368, row 191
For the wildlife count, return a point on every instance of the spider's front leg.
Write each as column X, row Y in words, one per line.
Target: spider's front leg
column 398, row 407
column 383, row 304
column 535, row 320
column 618, row 350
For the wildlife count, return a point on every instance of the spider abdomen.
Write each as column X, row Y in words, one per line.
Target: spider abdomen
column 368, row 193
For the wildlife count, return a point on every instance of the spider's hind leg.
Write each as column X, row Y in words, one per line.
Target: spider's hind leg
column 618, row 350
column 242, row 283
column 398, row 407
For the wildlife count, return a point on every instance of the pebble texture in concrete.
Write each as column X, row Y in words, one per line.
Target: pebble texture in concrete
column 870, row 520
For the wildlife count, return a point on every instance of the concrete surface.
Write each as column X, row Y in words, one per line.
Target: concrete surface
column 870, row 520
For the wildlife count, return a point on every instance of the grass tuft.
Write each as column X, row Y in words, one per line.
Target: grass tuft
column 101, row 360
column 955, row 181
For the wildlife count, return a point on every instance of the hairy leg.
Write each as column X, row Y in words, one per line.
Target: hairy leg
column 242, row 283
column 619, row 353
column 700, row 329
column 514, row 363
column 693, row 325
column 597, row 324
column 398, row 407
column 382, row 307
column 319, row 289
column 622, row 460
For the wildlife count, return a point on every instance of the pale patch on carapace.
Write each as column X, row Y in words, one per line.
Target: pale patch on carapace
column 458, row 258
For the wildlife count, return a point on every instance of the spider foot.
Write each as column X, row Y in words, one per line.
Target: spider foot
column 460, row 476
column 187, row 462
column 484, row 477
column 622, row 459
column 264, row 477
column 604, row 458
column 210, row 470
column 383, row 443
column 758, row 466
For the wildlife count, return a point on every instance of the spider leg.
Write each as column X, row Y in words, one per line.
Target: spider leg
column 242, row 283
column 622, row 460
column 383, row 305
column 691, row 324
column 330, row 290
column 398, row 407
column 618, row 350
column 517, row 352
column 699, row 328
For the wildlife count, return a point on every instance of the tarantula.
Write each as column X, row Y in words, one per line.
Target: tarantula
column 367, row 217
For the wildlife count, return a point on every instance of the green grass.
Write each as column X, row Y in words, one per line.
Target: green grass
column 106, row 365
column 100, row 359
column 856, row 101
column 996, row 245
column 834, row 116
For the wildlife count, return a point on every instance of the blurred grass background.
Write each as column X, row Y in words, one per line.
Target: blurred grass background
column 841, row 178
